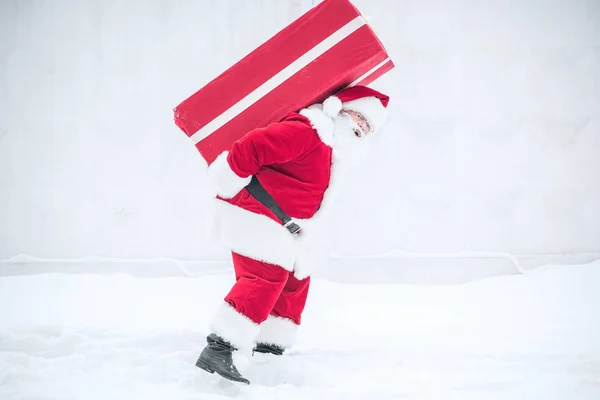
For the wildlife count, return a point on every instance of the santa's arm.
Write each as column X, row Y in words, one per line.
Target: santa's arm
column 232, row 170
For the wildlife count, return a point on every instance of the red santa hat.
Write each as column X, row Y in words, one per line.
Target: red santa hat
column 369, row 102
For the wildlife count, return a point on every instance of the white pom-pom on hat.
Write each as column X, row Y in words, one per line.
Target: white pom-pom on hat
column 332, row 106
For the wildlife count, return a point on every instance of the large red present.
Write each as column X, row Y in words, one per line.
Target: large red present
column 328, row 48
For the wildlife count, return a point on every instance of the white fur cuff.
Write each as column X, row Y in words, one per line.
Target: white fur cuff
column 234, row 327
column 278, row 331
column 226, row 182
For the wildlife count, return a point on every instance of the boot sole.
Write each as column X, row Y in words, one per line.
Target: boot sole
column 202, row 365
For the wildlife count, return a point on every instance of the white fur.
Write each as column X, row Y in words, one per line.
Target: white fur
column 332, row 106
column 259, row 237
column 234, row 327
column 313, row 245
column 226, row 182
column 371, row 108
column 278, row 331
column 321, row 122
column 252, row 235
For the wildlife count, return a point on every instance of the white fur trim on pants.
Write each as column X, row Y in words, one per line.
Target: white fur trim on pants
column 234, row 327
column 278, row 331
column 226, row 182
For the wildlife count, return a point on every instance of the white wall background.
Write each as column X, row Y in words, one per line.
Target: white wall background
column 493, row 143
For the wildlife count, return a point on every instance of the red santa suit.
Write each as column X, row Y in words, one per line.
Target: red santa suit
column 301, row 161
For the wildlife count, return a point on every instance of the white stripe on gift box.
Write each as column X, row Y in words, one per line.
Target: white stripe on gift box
column 369, row 72
column 278, row 79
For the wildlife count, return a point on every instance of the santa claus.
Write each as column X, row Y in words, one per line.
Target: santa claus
column 301, row 162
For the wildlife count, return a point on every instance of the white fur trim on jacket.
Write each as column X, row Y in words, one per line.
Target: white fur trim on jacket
column 226, row 182
column 234, row 327
column 260, row 238
column 321, row 122
column 252, row 235
column 278, row 331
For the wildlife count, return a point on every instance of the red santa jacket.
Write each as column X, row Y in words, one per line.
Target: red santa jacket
column 300, row 161
column 291, row 162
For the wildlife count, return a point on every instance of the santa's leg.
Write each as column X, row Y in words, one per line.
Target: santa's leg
column 277, row 333
column 236, row 322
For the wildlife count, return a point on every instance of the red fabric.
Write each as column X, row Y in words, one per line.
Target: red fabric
column 358, row 92
column 290, row 161
column 262, row 289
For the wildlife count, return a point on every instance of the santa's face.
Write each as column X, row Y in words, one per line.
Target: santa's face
column 351, row 139
column 361, row 122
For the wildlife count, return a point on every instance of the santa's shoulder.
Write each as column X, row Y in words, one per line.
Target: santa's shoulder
column 296, row 119
column 294, row 124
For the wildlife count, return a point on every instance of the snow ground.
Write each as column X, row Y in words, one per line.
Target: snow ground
column 534, row 336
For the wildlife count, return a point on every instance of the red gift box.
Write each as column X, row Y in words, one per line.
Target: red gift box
column 328, row 48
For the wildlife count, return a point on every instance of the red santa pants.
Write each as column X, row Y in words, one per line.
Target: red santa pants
column 263, row 289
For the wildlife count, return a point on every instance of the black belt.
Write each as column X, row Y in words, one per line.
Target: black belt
column 259, row 193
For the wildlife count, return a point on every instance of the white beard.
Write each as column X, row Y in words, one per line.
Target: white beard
column 349, row 148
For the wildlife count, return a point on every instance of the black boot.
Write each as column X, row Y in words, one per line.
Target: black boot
column 217, row 357
column 268, row 348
